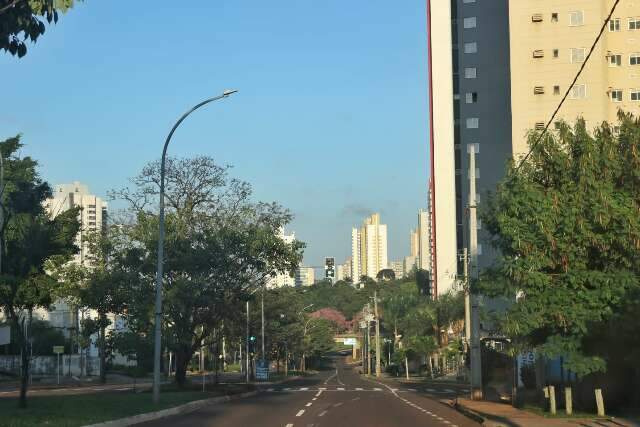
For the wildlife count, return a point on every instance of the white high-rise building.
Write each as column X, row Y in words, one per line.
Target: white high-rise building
column 305, row 276
column 409, row 264
column 93, row 219
column 424, row 240
column 414, row 238
column 369, row 248
column 93, row 216
column 398, row 268
column 283, row 279
column 344, row 270
column 356, row 272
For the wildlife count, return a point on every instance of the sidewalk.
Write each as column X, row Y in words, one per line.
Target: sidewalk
column 494, row 414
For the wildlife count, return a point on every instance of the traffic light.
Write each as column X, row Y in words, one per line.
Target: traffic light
column 252, row 343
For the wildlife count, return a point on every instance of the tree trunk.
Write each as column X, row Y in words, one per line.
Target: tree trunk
column 102, row 350
column 25, row 356
column 406, row 366
column 183, row 357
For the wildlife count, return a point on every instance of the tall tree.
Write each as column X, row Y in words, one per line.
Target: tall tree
column 219, row 246
column 26, row 18
column 567, row 225
column 29, row 238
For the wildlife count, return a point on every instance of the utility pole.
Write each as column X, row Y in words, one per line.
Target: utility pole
column 247, row 347
column 262, row 309
column 375, row 308
column 368, row 340
column 467, row 299
column 476, row 361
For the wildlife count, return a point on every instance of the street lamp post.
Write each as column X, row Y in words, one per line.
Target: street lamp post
column 159, row 275
column 303, row 366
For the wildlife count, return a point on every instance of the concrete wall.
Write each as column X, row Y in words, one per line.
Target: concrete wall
column 46, row 365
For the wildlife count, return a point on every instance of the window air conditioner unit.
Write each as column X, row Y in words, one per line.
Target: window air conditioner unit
column 538, row 90
column 536, row 17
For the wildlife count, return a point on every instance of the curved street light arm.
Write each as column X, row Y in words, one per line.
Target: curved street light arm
column 159, row 275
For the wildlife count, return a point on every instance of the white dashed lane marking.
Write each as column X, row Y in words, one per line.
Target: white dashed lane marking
column 322, row 414
column 309, row 404
column 300, row 412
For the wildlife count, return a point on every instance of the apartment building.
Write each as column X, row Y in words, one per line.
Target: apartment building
column 305, row 276
column 470, row 111
column 92, row 217
column 286, row 278
column 369, row 248
column 511, row 62
column 550, row 41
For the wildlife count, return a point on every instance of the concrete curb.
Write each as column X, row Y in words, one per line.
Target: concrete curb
column 181, row 409
column 465, row 411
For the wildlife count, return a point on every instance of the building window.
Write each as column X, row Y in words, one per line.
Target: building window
column 634, row 23
column 556, row 90
column 554, row 17
column 471, row 47
column 578, row 92
column 635, row 94
column 616, row 95
column 615, row 60
column 471, row 97
column 556, row 53
column 577, row 54
column 473, row 123
column 470, row 22
column 576, row 18
column 539, row 126
column 634, row 59
column 470, row 73
column 614, row 24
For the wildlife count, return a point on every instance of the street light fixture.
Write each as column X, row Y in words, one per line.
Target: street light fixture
column 159, row 275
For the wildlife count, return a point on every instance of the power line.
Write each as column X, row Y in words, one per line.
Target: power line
column 584, row 64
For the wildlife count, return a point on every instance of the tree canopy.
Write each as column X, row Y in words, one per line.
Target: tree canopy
column 23, row 20
column 567, row 225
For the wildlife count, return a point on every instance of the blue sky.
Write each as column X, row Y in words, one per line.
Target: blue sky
column 330, row 120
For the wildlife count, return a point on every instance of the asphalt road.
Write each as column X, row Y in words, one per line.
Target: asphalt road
column 338, row 397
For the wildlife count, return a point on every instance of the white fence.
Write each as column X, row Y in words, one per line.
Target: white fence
column 46, row 365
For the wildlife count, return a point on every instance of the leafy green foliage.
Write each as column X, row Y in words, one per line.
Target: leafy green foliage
column 23, row 20
column 568, row 228
column 219, row 247
column 29, row 239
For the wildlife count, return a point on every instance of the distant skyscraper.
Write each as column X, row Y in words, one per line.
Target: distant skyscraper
column 93, row 216
column 305, row 276
column 93, row 219
column 369, row 248
column 415, row 243
column 344, row 270
column 424, row 240
column 283, row 279
column 398, row 268
column 409, row 264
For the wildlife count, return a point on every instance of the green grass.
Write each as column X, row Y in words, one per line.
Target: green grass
column 79, row 410
column 560, row 413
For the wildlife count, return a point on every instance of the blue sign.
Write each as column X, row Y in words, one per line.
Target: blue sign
column 262, row 370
